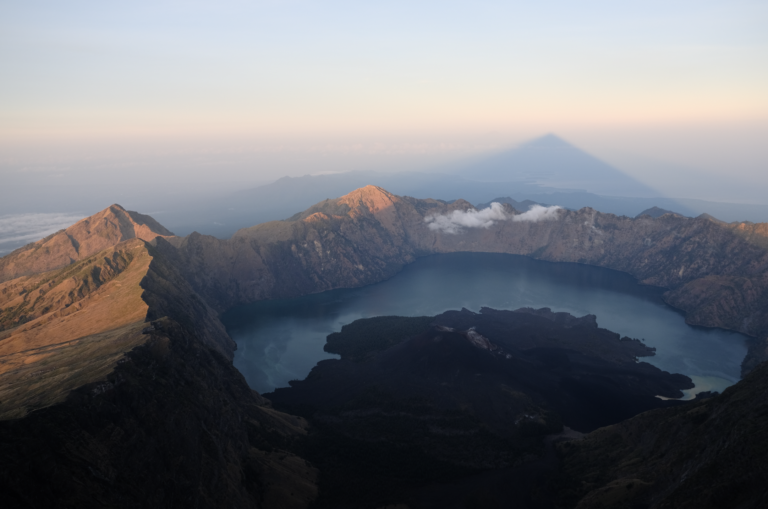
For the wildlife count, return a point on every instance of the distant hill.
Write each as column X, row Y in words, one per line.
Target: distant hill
column 655, row 212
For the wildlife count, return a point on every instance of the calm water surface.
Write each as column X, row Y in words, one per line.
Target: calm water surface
column 281, row 340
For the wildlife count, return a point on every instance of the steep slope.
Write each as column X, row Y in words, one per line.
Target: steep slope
column 55, row 324
column 100, row 408
column 81, row 240
column 172, row 425
column 355, row 240
column 67, row 327
column 709, row 454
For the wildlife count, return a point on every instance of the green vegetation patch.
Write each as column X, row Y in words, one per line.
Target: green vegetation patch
column 363, row 338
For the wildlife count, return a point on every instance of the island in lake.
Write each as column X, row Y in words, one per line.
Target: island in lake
column 419, row 400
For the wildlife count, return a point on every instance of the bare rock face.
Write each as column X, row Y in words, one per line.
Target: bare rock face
column 355, row 240
column 81, row 240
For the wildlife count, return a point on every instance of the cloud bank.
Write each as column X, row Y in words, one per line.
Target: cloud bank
column 19, row 229
column 457, row 220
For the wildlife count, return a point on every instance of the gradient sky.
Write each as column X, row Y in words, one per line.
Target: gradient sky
column 632, row 81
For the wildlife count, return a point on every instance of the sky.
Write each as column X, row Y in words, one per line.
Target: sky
column 233, row 93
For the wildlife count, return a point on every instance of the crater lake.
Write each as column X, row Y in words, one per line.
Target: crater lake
column 282, row 340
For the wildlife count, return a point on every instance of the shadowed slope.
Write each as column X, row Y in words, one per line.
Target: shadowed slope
column 708, row 454
column 173, row 424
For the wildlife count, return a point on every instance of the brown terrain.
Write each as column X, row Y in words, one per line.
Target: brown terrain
column 75, row 366
column 81, row 240
column 137, row 414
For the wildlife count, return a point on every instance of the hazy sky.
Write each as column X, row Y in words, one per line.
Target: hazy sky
column 655, row 87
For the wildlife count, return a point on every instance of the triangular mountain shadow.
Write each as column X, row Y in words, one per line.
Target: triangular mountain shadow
column 553, row 162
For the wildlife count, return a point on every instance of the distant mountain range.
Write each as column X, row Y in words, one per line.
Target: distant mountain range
column 288, row 195
column 545, row 170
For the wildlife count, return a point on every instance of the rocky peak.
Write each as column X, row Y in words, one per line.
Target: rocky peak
column 81, row 240
column 375, row 201
column 372, row 198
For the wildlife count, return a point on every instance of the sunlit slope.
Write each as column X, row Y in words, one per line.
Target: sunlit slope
column 68, row 327
column 90, row 391
column 81, row 240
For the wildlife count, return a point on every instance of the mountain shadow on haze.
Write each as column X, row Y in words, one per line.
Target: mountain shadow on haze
column 552, row 161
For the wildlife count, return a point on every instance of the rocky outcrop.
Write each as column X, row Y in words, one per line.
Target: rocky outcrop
column 359, row 239
column 81, row 240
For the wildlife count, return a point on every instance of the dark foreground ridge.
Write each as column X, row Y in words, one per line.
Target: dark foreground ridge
column 706, row 454
column 175, row 425
column 416, row 401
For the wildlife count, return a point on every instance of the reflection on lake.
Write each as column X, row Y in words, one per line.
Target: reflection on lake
column 282, row 340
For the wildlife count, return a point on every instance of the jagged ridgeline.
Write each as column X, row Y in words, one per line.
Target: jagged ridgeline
column 117, row 387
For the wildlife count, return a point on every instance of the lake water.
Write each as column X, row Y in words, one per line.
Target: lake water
column 281, row 340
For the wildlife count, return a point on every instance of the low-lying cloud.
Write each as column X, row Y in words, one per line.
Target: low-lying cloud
column 538, row 213
column 457, row 220
column 460, row 219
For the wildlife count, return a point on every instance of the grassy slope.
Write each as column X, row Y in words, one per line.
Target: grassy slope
column 73, row 326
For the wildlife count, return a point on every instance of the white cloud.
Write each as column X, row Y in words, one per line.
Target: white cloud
column 538, row 213
column 457, row 220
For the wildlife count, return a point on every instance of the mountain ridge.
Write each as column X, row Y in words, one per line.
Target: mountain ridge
column 81, row 240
